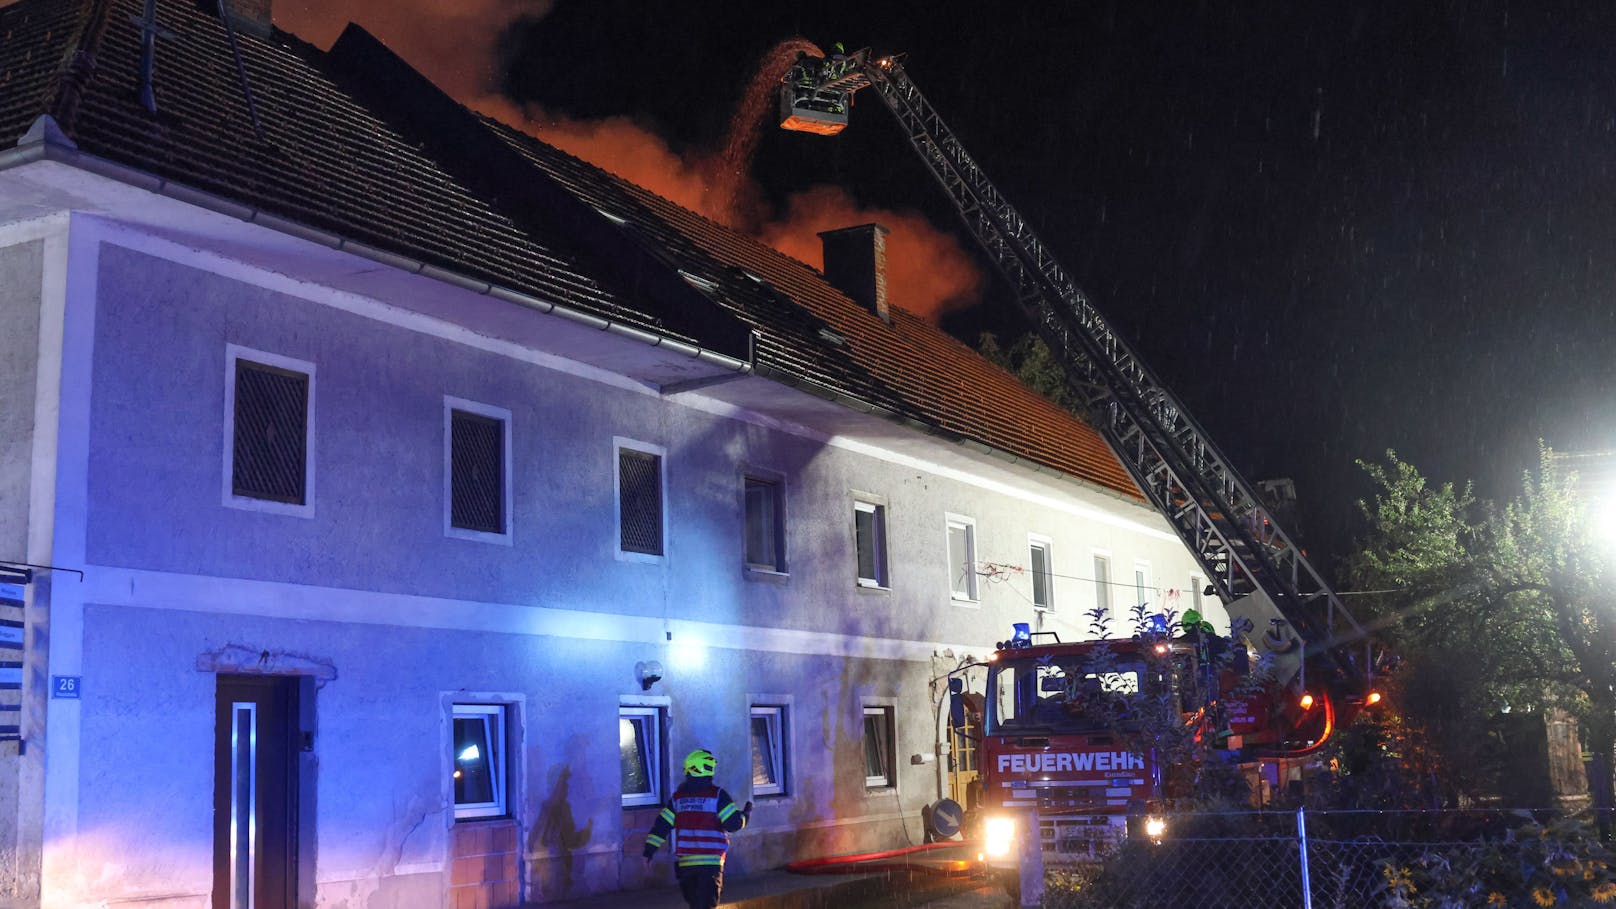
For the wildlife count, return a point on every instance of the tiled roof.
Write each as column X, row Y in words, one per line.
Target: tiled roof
column 910, row 366
column 339, row 158
column 324, row 160
column 35, row 40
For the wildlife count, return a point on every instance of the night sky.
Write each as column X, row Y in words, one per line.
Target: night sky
column 1332, row 228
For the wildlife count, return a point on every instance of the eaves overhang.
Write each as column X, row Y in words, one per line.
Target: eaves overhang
column 933, row 430
column 44, row 142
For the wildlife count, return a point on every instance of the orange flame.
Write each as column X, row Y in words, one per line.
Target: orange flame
column 928, row 272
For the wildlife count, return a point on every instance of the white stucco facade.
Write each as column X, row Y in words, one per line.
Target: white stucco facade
column 123, row 309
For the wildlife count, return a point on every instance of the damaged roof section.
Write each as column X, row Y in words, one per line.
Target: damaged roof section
column 356, row 143
column 324, row 160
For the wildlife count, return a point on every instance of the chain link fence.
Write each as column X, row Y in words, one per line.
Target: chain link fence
column 1306, row 859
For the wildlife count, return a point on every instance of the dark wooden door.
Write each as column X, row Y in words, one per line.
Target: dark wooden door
column 255, row 792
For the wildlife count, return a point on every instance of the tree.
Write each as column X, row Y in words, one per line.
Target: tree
column 1029, row 359
column 1488, row 606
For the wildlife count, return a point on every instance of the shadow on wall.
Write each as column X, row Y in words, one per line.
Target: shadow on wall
column 555, row 837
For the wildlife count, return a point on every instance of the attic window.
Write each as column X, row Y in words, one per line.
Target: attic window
column 698, row 282
column 832, row 337
column 755, row 279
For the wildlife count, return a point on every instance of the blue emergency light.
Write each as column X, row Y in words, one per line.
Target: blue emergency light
column 1020, row 637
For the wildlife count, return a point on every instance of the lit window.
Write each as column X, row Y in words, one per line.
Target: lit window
column 962, row 558
column 478, row 760
column 870, row 536
column 878, row 748
column 269, row 415
column 1040, row 564
column 1102, row 583
column 768, row 750
column 639, row 748
column 765, row 525
column 639, row 501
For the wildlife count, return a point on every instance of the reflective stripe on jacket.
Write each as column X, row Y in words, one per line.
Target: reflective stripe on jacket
column 698, row 835
column 700, row 817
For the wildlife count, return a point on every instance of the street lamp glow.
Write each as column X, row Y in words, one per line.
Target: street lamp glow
column 1603, row 514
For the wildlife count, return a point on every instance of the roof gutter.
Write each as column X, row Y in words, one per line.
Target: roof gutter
column 45, row 141
column 842, row 398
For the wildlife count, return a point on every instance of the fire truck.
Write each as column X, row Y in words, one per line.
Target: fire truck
column 1052, row 746
column 1098, row 737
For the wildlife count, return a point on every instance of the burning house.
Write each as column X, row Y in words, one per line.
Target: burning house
column 390, row 499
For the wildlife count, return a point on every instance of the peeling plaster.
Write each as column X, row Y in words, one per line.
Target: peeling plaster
column 243, row 660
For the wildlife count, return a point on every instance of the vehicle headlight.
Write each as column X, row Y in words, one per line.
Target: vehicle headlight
column 998, row 835
column 1155, row 827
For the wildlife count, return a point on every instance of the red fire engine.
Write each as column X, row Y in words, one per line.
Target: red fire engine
column 1053, row 739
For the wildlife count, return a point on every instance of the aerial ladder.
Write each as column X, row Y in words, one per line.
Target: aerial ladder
column 1274, row 596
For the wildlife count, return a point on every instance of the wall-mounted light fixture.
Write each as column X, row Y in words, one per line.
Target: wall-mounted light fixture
column 649, row 672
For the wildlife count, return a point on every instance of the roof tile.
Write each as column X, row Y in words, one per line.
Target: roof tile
column 327, row 159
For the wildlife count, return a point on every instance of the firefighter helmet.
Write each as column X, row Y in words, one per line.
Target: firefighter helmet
column 700, row 763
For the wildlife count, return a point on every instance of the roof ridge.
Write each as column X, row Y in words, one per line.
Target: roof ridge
column 77, row 68
column 636, row 189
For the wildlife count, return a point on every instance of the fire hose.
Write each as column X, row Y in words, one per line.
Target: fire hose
column 880, row 861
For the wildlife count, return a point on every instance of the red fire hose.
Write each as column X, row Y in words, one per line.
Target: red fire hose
column 874, row 861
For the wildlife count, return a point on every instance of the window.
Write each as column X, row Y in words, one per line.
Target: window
column 878, row 748
column 768, row 750
column 1141, row 584
column 479, row 760
column 962, row 558
column 870, row 537
column 269, row 414
column 1040, row 566
column 1102, row 583
column 639, row 747
column 765, row 525
column 476, row 454
column 639, row 501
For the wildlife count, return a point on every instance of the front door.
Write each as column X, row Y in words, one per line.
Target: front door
column 255, row 792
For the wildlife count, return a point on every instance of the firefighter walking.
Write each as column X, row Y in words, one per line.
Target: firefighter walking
column 700, row 816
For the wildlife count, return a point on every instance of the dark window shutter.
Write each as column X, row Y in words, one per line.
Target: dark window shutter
column 271, row 433
column 477, row 472
column 639, row 501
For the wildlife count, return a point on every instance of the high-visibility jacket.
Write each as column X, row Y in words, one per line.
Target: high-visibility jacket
column 700, row 816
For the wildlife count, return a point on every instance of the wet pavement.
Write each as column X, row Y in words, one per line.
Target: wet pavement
column 932, row 881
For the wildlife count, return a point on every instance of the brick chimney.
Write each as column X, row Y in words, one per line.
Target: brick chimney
column 856, row 265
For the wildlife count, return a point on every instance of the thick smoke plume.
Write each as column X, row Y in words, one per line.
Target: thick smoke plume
column 454, row 46
column 927, row 271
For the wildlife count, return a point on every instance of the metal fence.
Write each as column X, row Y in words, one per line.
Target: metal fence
column 1305, row 859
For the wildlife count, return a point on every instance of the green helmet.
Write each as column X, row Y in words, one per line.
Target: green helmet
column 700, row 763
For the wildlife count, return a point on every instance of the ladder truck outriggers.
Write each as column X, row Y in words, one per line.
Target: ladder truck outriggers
column 1047, row 745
